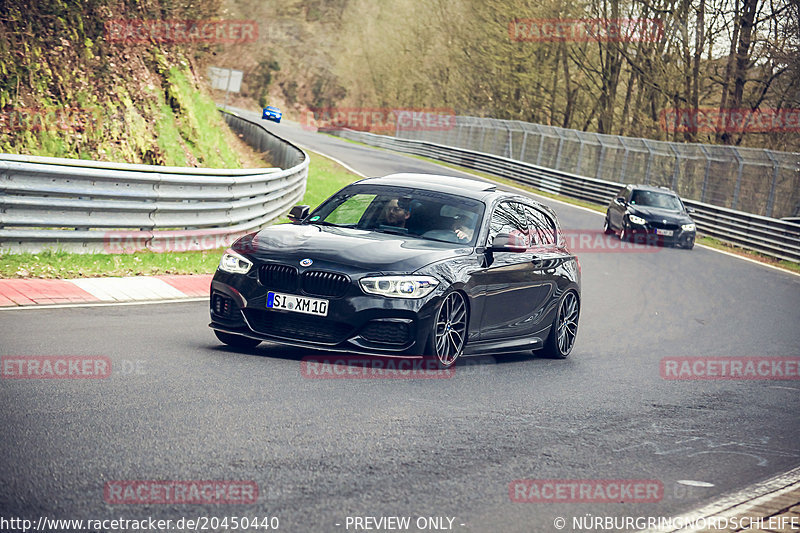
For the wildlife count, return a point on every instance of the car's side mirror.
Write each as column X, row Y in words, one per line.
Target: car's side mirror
column 620, row 201
column 505, row 242
column 299, row 212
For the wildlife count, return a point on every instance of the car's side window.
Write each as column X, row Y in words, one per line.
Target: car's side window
column 542, row 227
column 351, row 210
column 510, row 218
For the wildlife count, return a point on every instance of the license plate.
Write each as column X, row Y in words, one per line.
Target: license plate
column 664, row 232
column 297, row 304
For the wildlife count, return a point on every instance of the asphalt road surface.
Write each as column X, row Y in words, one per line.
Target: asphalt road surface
column 179, row 406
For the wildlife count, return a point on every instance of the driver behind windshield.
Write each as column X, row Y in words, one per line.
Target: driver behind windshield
column 396, row 212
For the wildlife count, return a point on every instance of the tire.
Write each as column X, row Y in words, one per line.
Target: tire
column 236, row 341
column 449, row 332
column 623, row 234
column 607, row 227
column 564, row 331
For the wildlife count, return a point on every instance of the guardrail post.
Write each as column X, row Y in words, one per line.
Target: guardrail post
column 771, row 197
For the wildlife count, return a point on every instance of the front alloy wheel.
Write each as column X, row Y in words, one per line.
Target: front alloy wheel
column 565, row 328
column 450, row 332
column 607, row 227
column 623, row 233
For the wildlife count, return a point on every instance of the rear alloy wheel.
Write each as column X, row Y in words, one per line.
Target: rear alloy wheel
column 607, row 227
column 236, row 341
column 565, row 328
column 450, row 330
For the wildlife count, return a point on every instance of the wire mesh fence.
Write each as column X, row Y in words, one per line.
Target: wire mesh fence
column 762, row 182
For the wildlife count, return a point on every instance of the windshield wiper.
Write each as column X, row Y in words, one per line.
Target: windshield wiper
column 326, row 223
column 390, row 231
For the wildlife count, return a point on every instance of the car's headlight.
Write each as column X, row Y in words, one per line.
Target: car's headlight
column 399, row 286
column 688, row 227
column 637, row 220
column 234, row 263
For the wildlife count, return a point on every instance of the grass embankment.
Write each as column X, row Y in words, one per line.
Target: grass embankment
column 324, row 178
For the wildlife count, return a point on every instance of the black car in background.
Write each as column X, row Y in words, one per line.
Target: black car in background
column 407, row 264
column 653, row 215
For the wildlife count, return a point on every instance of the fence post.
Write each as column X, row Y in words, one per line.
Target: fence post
column 524, row 142
column 738, row 177
column 510, row 143
column 705, row 177
column 771, row 198
column 676, row 170
column 649, row 162
column 541, row 145
column 624, row 162
column 558, row 153
column 600, row 160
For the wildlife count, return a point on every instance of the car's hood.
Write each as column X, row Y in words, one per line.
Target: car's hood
column 346, row 250
column 656, row 213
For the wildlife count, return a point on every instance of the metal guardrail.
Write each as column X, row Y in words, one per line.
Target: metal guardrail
column 770, row 236
column 758, row 181
column 88, row 206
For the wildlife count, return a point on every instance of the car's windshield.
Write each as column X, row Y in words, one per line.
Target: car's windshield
column 656, row 199
column 413, row 212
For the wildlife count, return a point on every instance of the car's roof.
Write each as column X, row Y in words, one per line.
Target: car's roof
column 642, row 187
column 434, row 182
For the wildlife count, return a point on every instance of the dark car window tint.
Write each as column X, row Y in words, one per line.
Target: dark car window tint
column 510, row 218
column 542, row 228
column 656, row 199
column 429, row 215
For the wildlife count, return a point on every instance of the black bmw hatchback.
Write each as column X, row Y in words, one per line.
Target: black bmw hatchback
column 407, row 264
column 652, row 215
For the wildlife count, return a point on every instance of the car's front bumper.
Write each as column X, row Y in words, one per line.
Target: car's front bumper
column 647, row 234
column 358, row 323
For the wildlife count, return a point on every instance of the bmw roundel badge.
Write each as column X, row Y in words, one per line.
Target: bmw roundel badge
column 306, row 262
